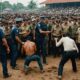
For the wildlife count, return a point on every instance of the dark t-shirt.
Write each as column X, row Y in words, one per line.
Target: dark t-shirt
column 41, row 26
column 14, row 33
column 1, row 37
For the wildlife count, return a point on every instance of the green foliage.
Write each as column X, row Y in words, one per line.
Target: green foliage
column 4, row 5
column 19, row 6
column 32, row 5
column 15, row 7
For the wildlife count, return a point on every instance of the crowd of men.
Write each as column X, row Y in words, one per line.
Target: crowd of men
column 63, row 10
column 43, row 30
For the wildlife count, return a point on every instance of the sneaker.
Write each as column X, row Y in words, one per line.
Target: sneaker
column 60, row 77
column 7, row 76
column 42, row 71
column 15, row 68
column 26, row 69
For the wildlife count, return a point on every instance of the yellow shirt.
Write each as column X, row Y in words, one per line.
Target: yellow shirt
column 56, row 31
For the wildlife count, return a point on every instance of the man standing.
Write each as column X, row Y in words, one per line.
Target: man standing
column 14, row 44
column 56, row 32
column 3, row 49
column 78, row 40
column 70, row 52
column 41, row 32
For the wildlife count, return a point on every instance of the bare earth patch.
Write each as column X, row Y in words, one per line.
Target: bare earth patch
column 49, row 74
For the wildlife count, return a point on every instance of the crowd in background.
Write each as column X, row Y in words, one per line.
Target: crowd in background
column 63, row 10
column 57, row 24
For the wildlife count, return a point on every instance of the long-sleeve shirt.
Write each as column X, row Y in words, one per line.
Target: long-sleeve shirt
column 68, row 44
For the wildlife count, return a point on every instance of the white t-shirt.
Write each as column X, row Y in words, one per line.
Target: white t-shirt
column 68, row 44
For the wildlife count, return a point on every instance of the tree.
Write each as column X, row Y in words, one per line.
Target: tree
column 14, row 7
column 20, row 6
column 0, row 6
column 6, row 4
column 32, row 5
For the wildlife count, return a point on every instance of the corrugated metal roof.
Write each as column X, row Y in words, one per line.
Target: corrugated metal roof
column 59, row 1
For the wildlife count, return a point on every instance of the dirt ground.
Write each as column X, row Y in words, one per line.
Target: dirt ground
column 49, row 74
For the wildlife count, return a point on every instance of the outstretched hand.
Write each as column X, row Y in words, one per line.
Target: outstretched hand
column 55, row 39
column 8, row 50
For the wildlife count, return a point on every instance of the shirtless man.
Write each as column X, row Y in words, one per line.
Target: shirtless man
column 29, row 48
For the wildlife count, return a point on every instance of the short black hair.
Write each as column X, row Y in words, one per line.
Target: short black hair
column 66, row 34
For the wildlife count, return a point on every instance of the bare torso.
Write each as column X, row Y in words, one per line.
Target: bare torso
column 29, row 48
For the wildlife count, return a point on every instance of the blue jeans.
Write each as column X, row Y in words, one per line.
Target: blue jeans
column 65, row 57
column 3, row 55
column 28, row 59
column 14, row 55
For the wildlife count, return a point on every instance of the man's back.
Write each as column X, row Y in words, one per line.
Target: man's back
column 68, row 44
column 40, row 26
column 29, row 48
